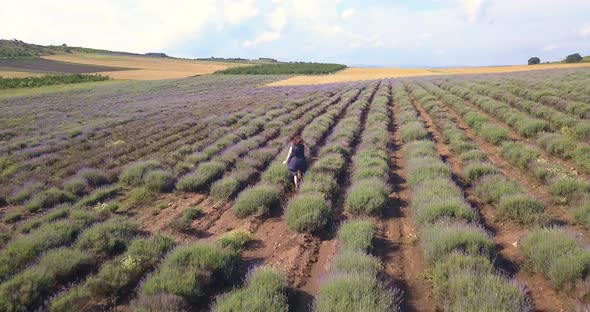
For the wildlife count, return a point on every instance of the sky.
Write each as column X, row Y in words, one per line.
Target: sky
column 354, row 32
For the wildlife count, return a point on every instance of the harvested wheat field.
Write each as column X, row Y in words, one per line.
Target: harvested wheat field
column 143, row 67
column 356, row 74
column 18, row 74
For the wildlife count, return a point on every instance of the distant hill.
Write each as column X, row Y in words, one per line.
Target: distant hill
column 19, row 49
column 262, row 60
column 156, row 54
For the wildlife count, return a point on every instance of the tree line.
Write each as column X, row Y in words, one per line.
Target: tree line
column 284, row 68
column 572, row 58
column 48, row 80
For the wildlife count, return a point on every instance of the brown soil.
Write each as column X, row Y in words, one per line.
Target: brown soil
column 177, row 203
column 397, row 243
column 506, row 235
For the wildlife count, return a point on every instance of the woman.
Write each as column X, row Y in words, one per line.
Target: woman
column 296, row 160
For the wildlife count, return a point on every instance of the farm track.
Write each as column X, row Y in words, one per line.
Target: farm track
column 396, row 243
column 505, row 234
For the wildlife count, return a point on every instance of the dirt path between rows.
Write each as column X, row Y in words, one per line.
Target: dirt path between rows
column 397, row 244
column 505, row 234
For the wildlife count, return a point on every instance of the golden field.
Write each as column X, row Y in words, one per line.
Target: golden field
column 143, row 67
column 18, row 74
column 355, row 74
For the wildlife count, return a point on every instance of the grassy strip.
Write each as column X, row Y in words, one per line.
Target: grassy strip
column 449, row 235
column 48, row 80
column 284, row 68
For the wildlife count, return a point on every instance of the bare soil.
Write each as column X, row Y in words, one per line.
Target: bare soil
column 42, row 65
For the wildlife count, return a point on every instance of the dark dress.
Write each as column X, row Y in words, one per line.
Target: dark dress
column 297, row 161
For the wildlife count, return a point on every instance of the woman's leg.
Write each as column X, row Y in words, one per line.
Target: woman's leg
column 298, row 177
column 295, row 180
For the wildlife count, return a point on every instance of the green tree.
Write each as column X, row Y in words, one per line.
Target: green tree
column 534, row 60
column 573, row 58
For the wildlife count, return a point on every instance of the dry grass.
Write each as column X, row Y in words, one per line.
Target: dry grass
column 145, row 68
column 354, row 74
column 18, row 74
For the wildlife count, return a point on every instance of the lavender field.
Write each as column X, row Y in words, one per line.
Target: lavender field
column 49, row 137
column 442, row 193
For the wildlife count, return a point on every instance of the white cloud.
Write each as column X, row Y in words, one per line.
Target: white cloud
column 237, row 11
column 426, row 35
column 277, row 19
column 550, row 47
column 584, row 31
column 264, row 37
column 390, row 32
column 348, row 13
column 473, row 9
column 134, row 26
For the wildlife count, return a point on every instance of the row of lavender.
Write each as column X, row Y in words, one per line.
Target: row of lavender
column 458, row 250
column 564, row 269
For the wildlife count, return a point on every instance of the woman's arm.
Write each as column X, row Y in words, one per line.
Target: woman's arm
column 288, row 155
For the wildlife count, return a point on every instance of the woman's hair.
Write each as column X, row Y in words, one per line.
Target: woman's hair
column 296, row 140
